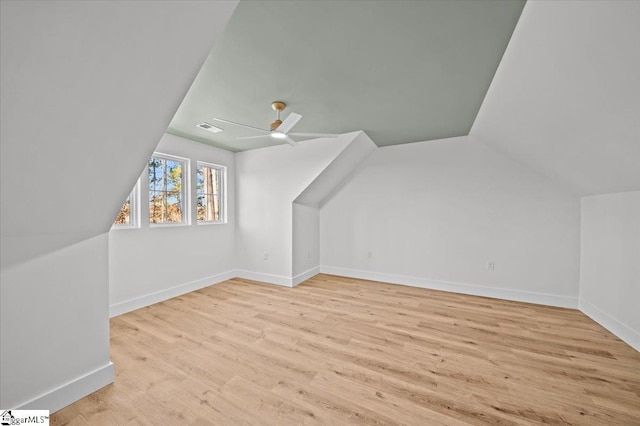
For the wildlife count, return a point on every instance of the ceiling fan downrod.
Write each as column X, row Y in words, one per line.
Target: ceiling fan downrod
column 278, row 107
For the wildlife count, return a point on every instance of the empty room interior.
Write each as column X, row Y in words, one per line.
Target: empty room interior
column 321, row 212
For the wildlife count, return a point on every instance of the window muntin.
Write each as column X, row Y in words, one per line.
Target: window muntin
column 210, row 193
column 168, row 202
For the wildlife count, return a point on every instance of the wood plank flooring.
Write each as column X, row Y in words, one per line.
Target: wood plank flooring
column 340, row 351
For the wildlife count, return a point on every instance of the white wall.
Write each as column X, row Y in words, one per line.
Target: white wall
column 306, row 214
column 337, row 173
column 306, row 240
column 268, row 181
column 433, row 213
column 55, row 328
column 151, row 264
column 565, row 99
column 610, row 263
column 88, row 88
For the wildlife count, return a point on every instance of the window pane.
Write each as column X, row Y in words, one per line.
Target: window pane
column 124, row 216
column 199, row 179
column 174, row 176
column 174, row 212
column 156, row 166
column 201, row 213
column 157, row 202
column 165, row 190
column 213, row 208
column 128, row 215
column 209, row 187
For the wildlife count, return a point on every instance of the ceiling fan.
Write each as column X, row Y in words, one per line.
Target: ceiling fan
column 280, row 129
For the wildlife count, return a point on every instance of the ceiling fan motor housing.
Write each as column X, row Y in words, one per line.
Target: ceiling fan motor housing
column 276, row 124
column 283, row 133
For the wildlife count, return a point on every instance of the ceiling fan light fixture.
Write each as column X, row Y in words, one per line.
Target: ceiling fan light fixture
column 279, row 129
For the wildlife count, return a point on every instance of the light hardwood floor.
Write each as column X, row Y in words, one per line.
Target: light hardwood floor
column 340, row 351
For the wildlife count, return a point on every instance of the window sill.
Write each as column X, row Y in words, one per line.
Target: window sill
column 205, row 223
column 123, row 227
column 168, row 225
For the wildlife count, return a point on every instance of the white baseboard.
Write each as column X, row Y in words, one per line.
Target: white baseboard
column 266, row 278
column 72, row 391
column 300, row 278
column 277, row 279
column 620, row 329
column 464, row 288
column 162, row 295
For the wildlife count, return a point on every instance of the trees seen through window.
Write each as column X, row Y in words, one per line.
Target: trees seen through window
column 209, row 190
column 129, row 214
column 169, row 194
column 166, row 190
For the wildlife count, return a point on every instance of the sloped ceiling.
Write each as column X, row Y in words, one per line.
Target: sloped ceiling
column 336, row 174
column 566, row 97
column 401, row 71
column 88, row 89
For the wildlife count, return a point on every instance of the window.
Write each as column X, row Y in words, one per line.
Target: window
column 129, row 215
column 210, row 190
column 167, row 190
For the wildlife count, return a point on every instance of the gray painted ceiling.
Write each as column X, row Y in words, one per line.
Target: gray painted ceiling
column 401, row 71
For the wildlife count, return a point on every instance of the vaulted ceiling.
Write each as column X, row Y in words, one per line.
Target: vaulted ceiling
column 562, row 99
column 96, row 78
column 401, row 71
column 565, row 100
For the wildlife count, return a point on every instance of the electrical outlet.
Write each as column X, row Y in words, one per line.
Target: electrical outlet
column 369, row 255
column 265, row 256
column 308, row 255
column 491, row 265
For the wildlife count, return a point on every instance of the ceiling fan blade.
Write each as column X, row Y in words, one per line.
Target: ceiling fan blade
column 289, row 122
column 286, row 139
column 315, row 135
column 242, row 125
column 255, row 137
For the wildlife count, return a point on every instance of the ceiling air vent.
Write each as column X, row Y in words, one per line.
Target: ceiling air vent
column 209, row 127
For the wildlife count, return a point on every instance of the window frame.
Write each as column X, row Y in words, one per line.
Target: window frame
column 134, row 210
column 185, row 192
column 222, row 197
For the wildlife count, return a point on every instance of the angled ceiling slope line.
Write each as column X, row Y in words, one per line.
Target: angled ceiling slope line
column 305, row 225
column 98, row 120
column 332, row 177
column 401, row 71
